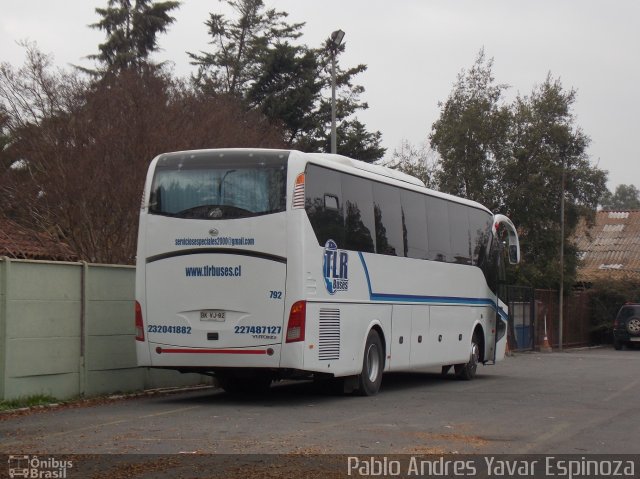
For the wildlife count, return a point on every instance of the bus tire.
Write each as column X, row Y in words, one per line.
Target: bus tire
column 370, row 378
column 467, row 371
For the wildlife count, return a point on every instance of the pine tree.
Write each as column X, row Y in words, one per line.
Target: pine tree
column 254, row 57
column 132, row 27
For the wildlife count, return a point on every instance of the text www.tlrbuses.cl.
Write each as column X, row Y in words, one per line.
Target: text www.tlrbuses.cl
column 209, row 271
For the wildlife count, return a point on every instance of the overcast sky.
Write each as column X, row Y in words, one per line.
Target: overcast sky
column 414, row 50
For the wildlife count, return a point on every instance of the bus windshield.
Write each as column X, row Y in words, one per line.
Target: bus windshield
column 220, row 185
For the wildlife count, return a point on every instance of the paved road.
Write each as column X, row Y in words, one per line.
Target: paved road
column 572, row 402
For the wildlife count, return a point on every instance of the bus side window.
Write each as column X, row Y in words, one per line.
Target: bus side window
column 359, row 224
column 459, row 233
column 388, row 219
column 479, row 226
column 414, row 227
column 438, row 229
column 323, row 191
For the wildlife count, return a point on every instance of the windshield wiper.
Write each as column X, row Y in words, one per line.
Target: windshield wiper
column 213, row 212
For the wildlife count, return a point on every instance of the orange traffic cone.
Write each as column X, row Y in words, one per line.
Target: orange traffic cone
column 545, row 347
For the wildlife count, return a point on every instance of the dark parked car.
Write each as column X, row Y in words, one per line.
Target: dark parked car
column 626, row 327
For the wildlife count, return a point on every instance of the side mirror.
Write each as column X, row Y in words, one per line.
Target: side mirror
column 514, row 244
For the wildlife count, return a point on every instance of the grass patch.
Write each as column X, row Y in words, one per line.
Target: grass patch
column 27, row 401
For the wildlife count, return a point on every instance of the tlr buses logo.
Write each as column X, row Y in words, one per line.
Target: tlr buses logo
column 335, row 268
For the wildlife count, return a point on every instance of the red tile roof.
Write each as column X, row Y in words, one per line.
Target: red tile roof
column 611, row 248
column 19, row 242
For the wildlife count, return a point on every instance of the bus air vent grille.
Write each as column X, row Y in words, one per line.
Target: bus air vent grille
column 298, row 196
column 329, row 338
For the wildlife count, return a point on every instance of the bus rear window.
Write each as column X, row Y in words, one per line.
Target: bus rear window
column 219, row 185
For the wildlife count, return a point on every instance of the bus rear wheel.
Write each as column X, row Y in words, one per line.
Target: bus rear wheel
column 370, row 378
column 467, row 371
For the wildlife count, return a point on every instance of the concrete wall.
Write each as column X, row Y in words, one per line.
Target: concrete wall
column 67, row 329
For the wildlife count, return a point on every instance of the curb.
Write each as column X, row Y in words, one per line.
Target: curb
column 79, row 402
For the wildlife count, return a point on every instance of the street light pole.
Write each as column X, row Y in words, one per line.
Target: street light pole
column 334, row 141
column 334, row 42
column 561, row 298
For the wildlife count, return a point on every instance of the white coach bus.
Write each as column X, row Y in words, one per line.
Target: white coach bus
column 256, row 265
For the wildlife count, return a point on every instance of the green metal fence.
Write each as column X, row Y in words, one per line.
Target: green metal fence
column 67, row 329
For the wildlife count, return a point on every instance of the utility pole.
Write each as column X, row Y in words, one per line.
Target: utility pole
column 561, row 298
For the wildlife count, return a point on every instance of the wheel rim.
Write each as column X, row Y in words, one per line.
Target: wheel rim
column 475, row 357
column 373, row 363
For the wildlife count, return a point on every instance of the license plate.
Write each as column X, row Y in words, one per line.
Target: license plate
column 212, row 315
column 634, row 339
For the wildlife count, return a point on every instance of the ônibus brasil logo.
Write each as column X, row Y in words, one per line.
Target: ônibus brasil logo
column 335, row 268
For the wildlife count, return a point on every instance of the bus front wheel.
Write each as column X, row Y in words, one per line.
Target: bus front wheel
column 370, row 378
column 467, row 371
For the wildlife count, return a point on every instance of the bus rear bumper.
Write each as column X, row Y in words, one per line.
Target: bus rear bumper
column 163, row 355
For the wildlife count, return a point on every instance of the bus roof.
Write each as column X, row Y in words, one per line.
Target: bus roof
column 345, row 163
column 371, row 168
column 327, row 159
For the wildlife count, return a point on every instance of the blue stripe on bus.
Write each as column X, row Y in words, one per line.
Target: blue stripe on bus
column 410, row 298
column 366, row 273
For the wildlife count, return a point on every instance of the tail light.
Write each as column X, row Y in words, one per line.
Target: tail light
column 296, row 325
column 139, row 323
